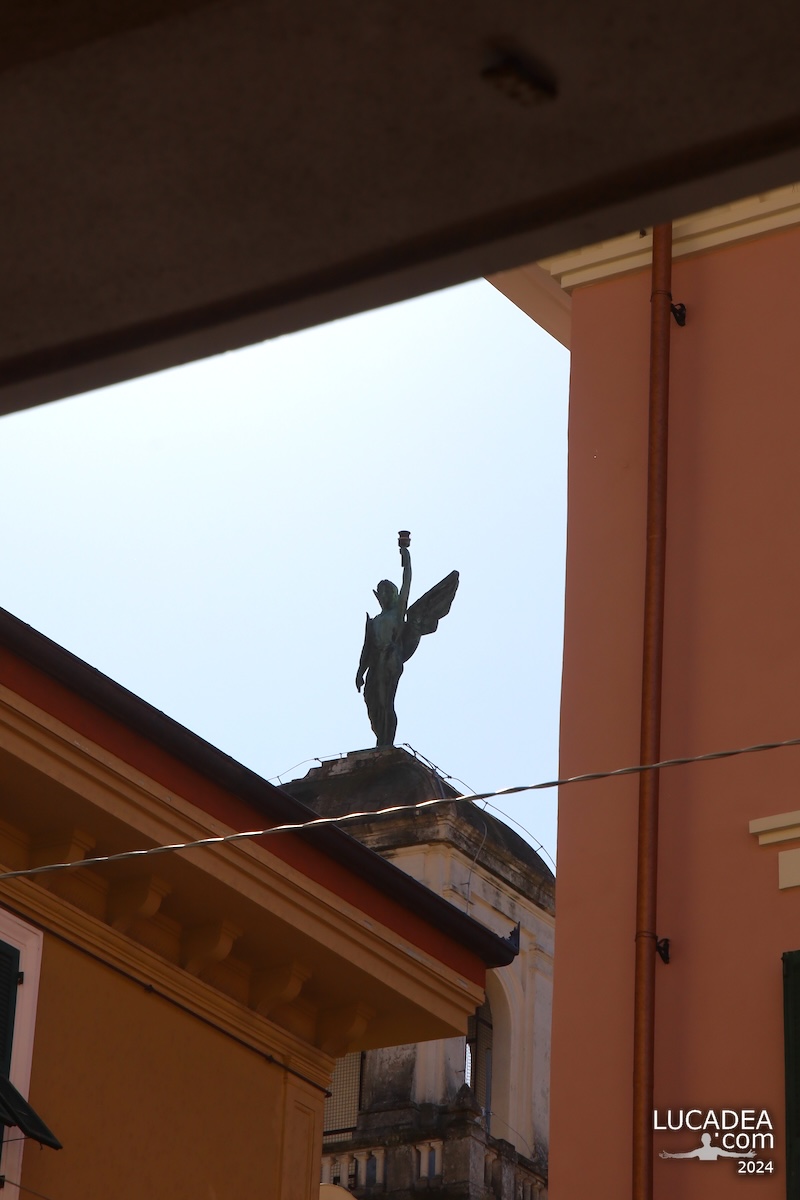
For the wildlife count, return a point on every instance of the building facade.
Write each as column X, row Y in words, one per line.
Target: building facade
column 726, row 1010
column 172, row 1022
column 460, row 1117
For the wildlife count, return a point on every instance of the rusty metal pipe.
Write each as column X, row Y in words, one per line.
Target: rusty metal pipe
column 650, row 743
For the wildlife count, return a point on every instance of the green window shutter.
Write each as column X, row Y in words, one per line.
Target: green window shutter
column 791, row 1045
column 9, row 982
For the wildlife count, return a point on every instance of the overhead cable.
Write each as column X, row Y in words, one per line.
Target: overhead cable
column 317, row 822
column 13, row 1183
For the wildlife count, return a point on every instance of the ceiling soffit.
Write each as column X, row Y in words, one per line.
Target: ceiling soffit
column 189, row 177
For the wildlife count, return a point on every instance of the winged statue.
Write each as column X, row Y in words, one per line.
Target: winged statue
column 393, row 635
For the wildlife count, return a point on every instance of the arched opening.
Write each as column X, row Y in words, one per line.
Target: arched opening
column 504, row 1080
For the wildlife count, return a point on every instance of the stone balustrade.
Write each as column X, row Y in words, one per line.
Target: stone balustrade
column 364, row 1168
column 427, row 1164
column 528, row 1186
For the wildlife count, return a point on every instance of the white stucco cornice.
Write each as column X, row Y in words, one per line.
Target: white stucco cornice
column 540, row 296
column 543, row 289
column 782, row 827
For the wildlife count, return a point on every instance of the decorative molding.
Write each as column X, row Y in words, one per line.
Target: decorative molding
column 152, row 972
column 338, row 1028
column 783, row 827
column 132, row 900
column 139, row 803
column 540, row 296
column 67, row 844
column 789, row 869
column 15, row 846
column 281, row 985
column 542, row 290
column 484, row 892
column 740, row 221
column 204, row 945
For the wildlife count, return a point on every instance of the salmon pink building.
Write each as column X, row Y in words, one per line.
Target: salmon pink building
column 726, row 1072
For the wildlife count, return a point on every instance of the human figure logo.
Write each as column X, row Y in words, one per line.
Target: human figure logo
column 743, row 1134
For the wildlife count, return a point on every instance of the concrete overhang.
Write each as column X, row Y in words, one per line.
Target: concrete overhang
column 185, row 177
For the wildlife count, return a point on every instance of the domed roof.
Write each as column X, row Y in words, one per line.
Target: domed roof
column 370, row 781
column 503, row 835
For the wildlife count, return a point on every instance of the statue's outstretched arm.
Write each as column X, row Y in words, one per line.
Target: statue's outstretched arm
column 363, row 662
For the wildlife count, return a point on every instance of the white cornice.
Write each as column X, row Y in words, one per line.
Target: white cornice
column 543, row 290
column 783, row 827
column 742, row 220
column 540, row 296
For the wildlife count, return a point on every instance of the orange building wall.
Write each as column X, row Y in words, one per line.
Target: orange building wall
column 732, row 677
column 149, row 1101
column 83, row 716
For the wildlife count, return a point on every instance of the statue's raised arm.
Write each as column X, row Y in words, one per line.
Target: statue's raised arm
column 405, row 586
column 392, row 637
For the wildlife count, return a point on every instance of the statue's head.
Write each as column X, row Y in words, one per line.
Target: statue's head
column 706, row 1139
column 386, row 594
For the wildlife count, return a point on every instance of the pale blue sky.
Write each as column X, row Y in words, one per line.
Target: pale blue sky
column 210, row 536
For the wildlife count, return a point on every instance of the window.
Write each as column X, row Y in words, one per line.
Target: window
column 342, row 1106
column 20, row 959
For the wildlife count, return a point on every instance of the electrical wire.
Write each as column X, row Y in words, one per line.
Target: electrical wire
column 315, row 758
column 305, row 826
column 489, row 1112
column 22, row 1188
column 468, row 896
column 537, row 845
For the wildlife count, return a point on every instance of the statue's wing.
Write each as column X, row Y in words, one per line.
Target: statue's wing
column 424, row 615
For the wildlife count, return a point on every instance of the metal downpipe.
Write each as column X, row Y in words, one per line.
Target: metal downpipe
column 650, row 743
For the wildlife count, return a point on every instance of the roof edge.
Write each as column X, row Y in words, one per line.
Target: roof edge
column 195, row 752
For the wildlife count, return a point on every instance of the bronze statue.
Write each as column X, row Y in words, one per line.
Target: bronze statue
column 392, row 637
